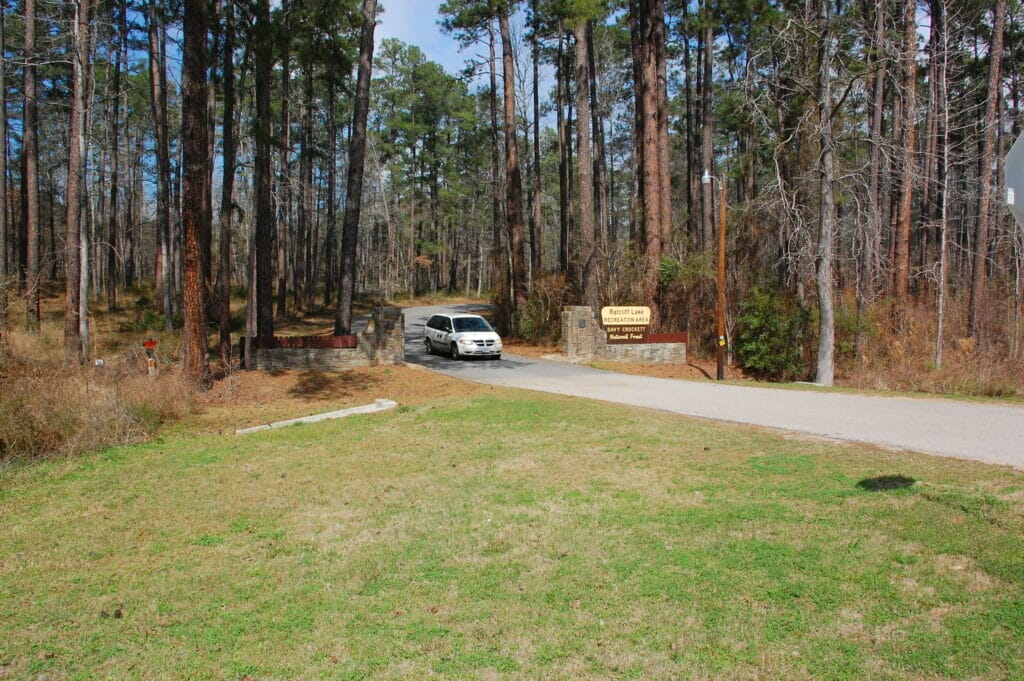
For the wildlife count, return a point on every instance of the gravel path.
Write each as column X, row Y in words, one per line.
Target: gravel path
column 992, row 433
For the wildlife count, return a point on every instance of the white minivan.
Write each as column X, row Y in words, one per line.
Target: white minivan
column 461, row 335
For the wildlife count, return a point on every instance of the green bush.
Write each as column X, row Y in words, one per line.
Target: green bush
column 770, row 334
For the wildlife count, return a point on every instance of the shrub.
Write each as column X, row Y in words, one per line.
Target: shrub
column 540, row 321
column 47, row 409
column 770, row 334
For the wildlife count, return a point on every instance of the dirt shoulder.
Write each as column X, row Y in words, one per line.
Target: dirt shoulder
column 248, row 398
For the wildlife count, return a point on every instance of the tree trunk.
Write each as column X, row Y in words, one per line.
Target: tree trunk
column 158, row 105
column 354, row 188
column 497, row 261
column 989, row 132
column 284, row 180
column 872, row 238
column 693, row 228
column 901, row 263
column 513, row 179
column 303, row 244
column 264, row 262
column 707, row 135
column 536, row 233
column 601, row 170
column 659, row 34
column 331, row 245
column 942, row 118
column 227, row 205
column 195, row 188
column 74, row 353
column 5, row 285
column 650, row 15
column 564, row 235
column 586, row 168
column 115, row 158
column 827, row 209
column 30, row 177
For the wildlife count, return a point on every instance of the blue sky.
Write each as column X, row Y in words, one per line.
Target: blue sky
column 415, row 22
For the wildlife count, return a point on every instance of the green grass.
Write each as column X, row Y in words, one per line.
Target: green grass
column 510, row 536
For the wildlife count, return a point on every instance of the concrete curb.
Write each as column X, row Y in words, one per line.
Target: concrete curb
column 378, row 405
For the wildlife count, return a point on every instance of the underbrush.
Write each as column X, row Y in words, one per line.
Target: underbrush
column 905, row 360
column 48, row 409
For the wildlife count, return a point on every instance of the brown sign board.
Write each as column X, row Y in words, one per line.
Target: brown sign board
column 626, row 324
column 619, row 334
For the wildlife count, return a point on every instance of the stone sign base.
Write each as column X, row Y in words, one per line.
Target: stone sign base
column 583, row 338
column 381, row 343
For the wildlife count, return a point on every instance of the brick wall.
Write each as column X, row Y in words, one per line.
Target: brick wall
column 381, row 343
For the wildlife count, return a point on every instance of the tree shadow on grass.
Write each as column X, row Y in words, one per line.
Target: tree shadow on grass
column 886, row 483
column 328, row 384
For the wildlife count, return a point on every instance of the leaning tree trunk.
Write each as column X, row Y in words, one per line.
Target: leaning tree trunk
column 981, row 239
column 357, row 160
column 195, row 190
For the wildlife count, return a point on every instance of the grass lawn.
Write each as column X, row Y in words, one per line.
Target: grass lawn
column 510, row 535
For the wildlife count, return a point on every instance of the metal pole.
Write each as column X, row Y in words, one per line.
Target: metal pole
column 720, row 321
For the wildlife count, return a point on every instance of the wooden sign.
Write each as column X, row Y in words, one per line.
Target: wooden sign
column 626, row 324
column 626, row 316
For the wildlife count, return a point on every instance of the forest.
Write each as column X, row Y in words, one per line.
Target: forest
column 228, row 165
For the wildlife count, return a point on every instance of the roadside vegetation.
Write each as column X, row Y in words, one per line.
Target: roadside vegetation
column 48, row 408
column 503, row 534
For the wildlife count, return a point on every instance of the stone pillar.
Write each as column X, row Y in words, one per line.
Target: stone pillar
column 579, row 328
column 383, row 339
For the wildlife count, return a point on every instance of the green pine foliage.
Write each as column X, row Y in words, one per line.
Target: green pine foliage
column 771, row 334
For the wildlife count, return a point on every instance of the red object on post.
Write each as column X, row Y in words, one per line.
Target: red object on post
column 150, row 344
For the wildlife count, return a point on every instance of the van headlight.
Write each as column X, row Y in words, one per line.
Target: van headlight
column 465, row 341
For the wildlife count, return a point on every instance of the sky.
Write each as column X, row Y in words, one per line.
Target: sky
column 414, row 22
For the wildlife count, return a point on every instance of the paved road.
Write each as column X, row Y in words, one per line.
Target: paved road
column 991, row 433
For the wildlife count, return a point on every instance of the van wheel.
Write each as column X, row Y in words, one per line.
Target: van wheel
column 455, row 352
column 428, row 346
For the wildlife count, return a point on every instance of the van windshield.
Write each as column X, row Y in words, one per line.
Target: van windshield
column 472, row 324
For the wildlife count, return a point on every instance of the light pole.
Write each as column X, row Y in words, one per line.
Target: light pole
column 707, row 179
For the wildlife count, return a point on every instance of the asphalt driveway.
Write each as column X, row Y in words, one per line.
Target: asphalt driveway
column 993, row 433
